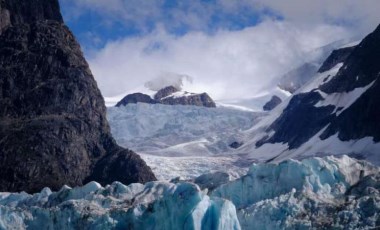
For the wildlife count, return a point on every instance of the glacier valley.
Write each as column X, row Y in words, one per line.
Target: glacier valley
column 185, row 141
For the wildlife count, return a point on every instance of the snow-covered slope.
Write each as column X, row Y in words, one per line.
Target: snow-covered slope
column 155, row 205
column 337, row 112
column 316, row 193
column 177, row 140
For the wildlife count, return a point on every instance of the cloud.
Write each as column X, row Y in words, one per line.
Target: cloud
column 232, row 49
column 168, row 79
column 226, row 64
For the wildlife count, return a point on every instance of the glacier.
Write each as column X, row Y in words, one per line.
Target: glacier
column 315, row 193
column 155, row 205
column 185, row 141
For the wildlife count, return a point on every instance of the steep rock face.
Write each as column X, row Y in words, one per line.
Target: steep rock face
column 135, row 98
column 272, row 103
column 53, row 129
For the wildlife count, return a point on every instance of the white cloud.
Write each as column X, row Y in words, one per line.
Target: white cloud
column 227, row 64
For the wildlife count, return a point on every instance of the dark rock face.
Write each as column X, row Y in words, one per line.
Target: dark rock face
column 136, row 98
column 53, row 128
column 165, row 92
column 272, row 103
column 337, row 56
column 301, row 120
column 196, row 99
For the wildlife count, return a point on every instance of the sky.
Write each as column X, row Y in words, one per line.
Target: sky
column 231, row 49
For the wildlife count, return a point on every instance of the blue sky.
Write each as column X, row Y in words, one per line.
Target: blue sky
column 232, row 49
column 94, row 28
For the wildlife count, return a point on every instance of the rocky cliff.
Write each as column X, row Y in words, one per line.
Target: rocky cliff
column 53, row 128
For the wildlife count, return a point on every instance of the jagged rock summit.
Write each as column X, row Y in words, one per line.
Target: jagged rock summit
column 53, row 127
column 170, row 95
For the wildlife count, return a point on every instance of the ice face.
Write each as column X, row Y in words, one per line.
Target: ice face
column 155, row 205
column 312, row 193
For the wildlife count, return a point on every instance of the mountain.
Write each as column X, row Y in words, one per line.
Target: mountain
column 336, row 113
column 169, row 95
column 53, row 127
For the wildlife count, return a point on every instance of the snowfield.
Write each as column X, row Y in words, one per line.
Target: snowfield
column 315, row 193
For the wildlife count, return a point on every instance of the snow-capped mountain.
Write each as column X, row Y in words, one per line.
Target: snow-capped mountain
column 169, row 95
column 337, row 112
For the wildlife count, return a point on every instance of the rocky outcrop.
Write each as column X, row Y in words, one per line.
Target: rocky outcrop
column 170, row 96
column 272, row 103
column 53, row 127
column 202, row 99
column 135, row 98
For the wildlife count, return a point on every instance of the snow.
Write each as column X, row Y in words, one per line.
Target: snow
column 155, row 205
column 179, row 94
column 255, row 103
column 315, row 192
